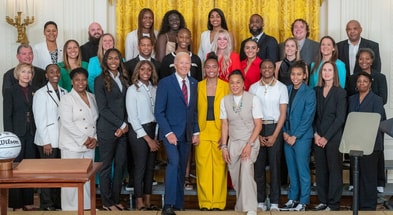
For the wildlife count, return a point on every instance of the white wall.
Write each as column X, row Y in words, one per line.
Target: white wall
column 74, row 16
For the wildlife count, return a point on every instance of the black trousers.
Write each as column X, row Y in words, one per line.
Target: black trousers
column 328, row 167
column 112, row 150
column 368, row 181
column 143, row 160
column 273, row 155
column 49, row 197
column 19, row 197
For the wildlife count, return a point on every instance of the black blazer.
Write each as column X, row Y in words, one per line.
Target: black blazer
column 330, row 114
column 131, row 64
column 111, row 108
column 268, row 48
column 343, row 54
column 379, row 85
column 372, row 104
column 38, row 81
column 16, row 109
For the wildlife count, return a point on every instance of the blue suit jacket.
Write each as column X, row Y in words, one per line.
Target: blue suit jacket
column 300, row 114
column 172, row 113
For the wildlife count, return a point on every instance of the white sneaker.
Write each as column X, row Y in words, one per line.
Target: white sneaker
column 299, row 207
column 274, row 207
column 350, row 187
column 251, row 213
column 327, row 209
column 262, row 206
column 380, row 189
column 288, row 206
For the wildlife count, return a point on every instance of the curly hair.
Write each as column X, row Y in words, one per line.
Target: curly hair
column 135, row 75
column 105, row 70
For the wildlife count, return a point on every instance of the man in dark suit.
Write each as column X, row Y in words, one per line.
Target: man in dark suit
column 176, row 115
column 145, row 47
column 24, row 54
column 347, row 49
column 268, row 47
column 90, row 48
column 309, row 49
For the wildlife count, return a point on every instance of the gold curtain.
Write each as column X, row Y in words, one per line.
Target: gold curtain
column 278, row 16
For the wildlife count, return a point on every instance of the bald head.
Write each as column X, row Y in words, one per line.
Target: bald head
column 95, row 30
column 353, row 29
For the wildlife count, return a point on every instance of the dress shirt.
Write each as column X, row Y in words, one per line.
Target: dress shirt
column 301, row 43
column 257, row 37
column 142, row 58
column 140, row 106
column 180, row 80
column 120, row 85
column 352, row 52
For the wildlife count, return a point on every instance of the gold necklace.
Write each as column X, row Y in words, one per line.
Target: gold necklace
column 267, row 85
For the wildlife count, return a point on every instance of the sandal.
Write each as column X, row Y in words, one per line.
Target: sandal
column 188, row 184
column 120, row 207
column 111, row 208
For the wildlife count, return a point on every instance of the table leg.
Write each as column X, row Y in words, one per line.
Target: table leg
column 93, row 195
column 81, row 203
column 4, row 200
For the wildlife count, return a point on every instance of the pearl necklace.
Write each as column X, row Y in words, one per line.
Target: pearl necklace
column 267, row 85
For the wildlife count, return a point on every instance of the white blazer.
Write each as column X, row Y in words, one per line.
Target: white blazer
column 42, row 57
column 77, row 121
column 45, row 110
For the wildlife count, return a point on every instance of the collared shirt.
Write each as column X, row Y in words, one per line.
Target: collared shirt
column 118, row 82
column 352, row 52
column 180, row 81
column 142, row 58
column 140, row 106
column 301, row 43
column 257, row 37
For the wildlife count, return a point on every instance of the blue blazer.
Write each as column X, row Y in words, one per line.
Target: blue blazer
column 172, row 113
column 300, row 114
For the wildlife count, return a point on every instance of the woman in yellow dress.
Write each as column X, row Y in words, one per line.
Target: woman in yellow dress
column 210, row 166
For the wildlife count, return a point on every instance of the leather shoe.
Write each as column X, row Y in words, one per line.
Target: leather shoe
column 204, row 209
column 168, row 211
column 216, row 209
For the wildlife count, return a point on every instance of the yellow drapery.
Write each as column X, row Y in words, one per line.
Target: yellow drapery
column 278, row 16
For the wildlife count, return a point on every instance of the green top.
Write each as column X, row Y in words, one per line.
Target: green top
column 65, row 79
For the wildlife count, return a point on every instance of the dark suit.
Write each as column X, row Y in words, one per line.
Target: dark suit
column 130, row 66
column 268, row 48
column 329, row 122
column 174, row 115
column 379, row 85
column 37, row 82
column 18, row 119
column 368, row 163
column 112, row 114
column 308, row 53
column 343, row 54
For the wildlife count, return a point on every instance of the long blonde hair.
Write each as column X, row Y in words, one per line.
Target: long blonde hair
column 100, row 52
column 226, row 60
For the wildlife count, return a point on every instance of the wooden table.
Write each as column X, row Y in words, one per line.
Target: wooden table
column 9, row 179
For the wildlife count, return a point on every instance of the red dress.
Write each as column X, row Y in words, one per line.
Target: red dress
column 253, row 74
column 235, row 64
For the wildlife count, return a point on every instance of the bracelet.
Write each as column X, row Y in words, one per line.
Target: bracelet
column 223, row 146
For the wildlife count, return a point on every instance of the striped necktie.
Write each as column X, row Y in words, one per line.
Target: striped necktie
column 185, row 92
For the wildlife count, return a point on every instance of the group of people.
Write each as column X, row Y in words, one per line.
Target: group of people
column 268, row 105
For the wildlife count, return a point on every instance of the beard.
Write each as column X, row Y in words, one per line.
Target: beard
column 256, row 31
column 94, row 40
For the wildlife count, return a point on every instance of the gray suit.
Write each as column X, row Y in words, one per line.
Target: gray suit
column 308, row 53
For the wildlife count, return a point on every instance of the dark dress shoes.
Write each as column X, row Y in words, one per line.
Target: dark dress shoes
column 168, row 211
